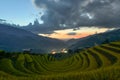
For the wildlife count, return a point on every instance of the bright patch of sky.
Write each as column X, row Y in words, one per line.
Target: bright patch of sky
column 82, row 32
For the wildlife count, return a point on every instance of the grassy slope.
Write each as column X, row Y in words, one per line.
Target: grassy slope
column 96, row 63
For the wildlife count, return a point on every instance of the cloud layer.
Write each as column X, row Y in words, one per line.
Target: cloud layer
column 60, row 14
column 72, row 33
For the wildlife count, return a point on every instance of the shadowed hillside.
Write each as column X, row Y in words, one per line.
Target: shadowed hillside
column 14, row 39
column 95, row 39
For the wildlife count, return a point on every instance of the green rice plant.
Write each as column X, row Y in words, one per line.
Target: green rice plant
column 113, row 51
column 7, row 66
column 97, row 58
column 104, row 59
column 20, row 64
column 110, row 57
column 93, row 63
column 29, row 64
column 85, row 61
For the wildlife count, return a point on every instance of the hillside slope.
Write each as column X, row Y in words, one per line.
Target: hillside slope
column 14, row 39
column 96, row 63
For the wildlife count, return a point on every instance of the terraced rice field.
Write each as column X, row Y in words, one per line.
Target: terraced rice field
column 96, row 63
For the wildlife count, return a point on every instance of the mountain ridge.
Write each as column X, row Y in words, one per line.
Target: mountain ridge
column 15, row 39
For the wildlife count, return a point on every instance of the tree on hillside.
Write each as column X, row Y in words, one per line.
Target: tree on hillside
column 70, row 51
column 2, row 53
column 106, row 41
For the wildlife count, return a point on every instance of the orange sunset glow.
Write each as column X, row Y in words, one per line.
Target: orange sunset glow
column 82, row 32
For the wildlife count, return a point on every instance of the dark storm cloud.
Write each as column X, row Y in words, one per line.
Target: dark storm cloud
column 61, row 14
column 71, row 33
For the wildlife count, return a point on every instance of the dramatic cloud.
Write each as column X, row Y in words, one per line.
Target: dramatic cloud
column 60, row 14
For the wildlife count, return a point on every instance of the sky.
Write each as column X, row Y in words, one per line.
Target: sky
column 71, row 34
column 18, row 11
column 63, row 19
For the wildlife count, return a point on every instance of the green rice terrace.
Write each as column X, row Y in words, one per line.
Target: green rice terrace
column 96, row 63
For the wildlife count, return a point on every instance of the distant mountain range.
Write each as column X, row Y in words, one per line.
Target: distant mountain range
column 15, row 39
column 95, row 39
